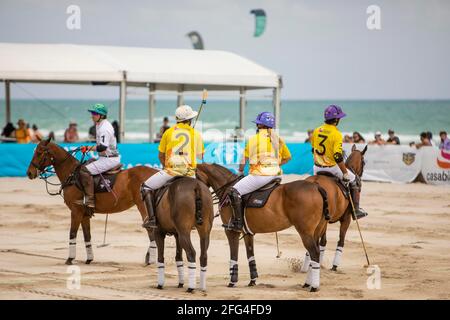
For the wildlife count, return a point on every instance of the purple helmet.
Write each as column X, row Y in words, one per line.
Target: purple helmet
column 333, row 112
column 266, row 119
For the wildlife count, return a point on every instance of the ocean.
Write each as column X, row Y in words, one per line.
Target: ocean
column 407, row 118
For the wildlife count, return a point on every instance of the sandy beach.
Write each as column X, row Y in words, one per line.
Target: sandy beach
column 407, row 236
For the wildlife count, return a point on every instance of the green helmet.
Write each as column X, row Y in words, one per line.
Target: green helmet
column 99, row 108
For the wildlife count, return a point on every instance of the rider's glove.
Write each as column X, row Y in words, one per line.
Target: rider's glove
column 346, row 177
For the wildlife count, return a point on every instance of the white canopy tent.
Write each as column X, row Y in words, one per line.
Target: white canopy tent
column 176, row 70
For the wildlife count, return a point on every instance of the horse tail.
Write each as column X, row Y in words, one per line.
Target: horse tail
column 324, row 195
column 198, row 204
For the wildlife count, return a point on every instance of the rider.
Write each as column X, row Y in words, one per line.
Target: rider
column 265, row 152
column 328, row 154
column 179, row 148
column 107, row 150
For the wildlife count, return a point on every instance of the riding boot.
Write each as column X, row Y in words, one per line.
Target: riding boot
column 147, row 197
column 355, row 194
column 87, row 181
column 237, row 222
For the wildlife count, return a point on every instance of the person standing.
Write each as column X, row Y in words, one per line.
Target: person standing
column 71, row 133
column 393, row 139
column 36, row 135
column 22, row 134
column 445, row 141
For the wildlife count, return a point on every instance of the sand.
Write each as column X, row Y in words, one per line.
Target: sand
column 407, row 236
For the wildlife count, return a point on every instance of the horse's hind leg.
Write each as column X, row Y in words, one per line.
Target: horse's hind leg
column 322, row 246
column 248, row 239
column 75, row 220
column 150, row 256
column 179, row 262
column 159, row 238
column 186, row 244
column 345, row 223
column 204, row 244
column 233, row 241
column 86, row 226
column 313, row 276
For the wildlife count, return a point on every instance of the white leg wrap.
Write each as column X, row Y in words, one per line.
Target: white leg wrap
column 203, row 278
column 337, row 256
column 161, row 274
column 89, row 252
column 251, row 259
column 180, row 269
column 308, row 276
column 152, row 252
column 315, row 274
column 322, row 254
column 191, row 273
column 72, row 248
column 306, row 262
column 232, row 263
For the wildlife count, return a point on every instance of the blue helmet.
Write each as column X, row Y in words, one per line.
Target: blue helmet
column 266, row 119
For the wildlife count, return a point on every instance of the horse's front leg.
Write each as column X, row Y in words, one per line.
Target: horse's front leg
column 86, row 226
column 233, row 241
column 345, row 223
column 75, row 219
column 248, row 239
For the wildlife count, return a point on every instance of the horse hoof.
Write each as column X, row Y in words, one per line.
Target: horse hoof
column 334, row 268
column 190, row 290
column 306, row 285
column 252, row 283
column 69, row 261
column 313, row 289
column 231, row 285
column 159, row 287
column 180, row 285
column 88, row 261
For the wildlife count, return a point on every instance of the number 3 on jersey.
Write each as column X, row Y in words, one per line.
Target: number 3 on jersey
column 324, row 149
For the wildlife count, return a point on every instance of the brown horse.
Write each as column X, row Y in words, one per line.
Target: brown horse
column 187, row 204
column 126, row 189
column 338, row 205
column 299, row 204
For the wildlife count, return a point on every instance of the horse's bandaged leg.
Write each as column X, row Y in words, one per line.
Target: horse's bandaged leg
column 72, row 248
column 89, row 252
column 233, row 271
column 191, row 273
column 203, row 278
column 309, row 276
column 337, row 256
column 252, row 267
column 161, row 274
column 180, row 269
column 315, row 274
column 152, row 252
column 322, row 253
column 306, row 262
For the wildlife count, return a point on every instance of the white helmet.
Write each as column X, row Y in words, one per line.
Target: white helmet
column 184, row 113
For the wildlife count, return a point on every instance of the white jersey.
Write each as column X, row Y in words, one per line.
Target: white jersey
column 105, row 136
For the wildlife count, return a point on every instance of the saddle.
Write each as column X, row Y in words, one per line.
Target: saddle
column 338, row 181
column 258, row 198
column 108, row 181
column 159, row 193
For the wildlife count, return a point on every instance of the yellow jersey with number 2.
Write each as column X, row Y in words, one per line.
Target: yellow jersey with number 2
column 181, row 145
column 326, row 141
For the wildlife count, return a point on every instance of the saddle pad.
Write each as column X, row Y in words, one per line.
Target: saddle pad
column 258, row 198
column 101, row 186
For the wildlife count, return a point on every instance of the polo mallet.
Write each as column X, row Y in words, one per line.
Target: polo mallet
column 359, row 230
column 104, row 244
column 278, row 248
column 204, row 97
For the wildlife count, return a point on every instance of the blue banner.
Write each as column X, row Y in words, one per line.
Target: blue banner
column 15, row 158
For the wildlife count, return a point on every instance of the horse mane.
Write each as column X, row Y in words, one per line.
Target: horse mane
column 66, row 153
column 224, row 171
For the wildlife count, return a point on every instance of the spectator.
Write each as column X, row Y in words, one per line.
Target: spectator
column 8, row 132
column 358, row 138
column 163, row 129
column 430, row 138
column 71, row 133
column 36, row 135
column 424, row 141
column 115, row 125
column 22, row 134
column 445, row 141
column 393, row 139
column 92, row 134
column 348, row 139
column 310, row 133
column 378, row 139
column 51, row 136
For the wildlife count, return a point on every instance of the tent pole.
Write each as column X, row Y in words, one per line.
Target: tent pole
column 151, row 112
column 7, row 101
column 242, row 105
column 123, row 99
column 180, row 97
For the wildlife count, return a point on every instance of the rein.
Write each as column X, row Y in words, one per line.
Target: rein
column 219, row 195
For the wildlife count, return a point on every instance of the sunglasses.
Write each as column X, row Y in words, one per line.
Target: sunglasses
column 94, row 113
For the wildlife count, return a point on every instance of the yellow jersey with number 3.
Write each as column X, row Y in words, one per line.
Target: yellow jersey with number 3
column 326, row 141
column 181, row 145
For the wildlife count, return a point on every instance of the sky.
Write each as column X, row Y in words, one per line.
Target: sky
column 322, row 48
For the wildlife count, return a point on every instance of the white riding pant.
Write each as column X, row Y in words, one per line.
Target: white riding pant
column 251, row 183
column 103, row 164
column 159, row 179
column 336, row 171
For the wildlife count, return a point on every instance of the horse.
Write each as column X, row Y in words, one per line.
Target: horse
column 339, row 206
column 185, row 204
column 299, row 203
column 125, row 194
